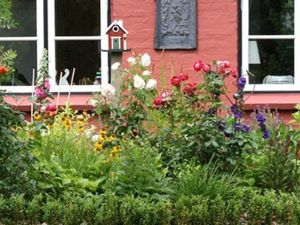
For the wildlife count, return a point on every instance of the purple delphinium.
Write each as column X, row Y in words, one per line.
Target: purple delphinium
column 242, row 82
column 260, row 118
column 236, row 112
column 241, row 127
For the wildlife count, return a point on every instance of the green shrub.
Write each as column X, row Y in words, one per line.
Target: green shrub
column 143, row 211
column 192, row 210
column 108, row 212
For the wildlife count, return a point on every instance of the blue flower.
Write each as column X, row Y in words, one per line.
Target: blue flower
column 266, row 134
column 242, row 82
column 260, row 118
column 236, row 112
column 241, row 127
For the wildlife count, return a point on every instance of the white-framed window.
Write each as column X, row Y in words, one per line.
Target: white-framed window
column 271, row 44
column 74, row 33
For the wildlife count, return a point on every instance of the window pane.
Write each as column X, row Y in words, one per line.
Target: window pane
column 269, row 17
column 24, row 12
column 84, row 56
column 77, row 18
column 271, row 61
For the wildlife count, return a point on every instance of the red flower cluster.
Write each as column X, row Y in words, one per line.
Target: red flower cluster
column 190, row 89
column 176, row 80
column 162, row 99
column 199, row 66
column 3, row 70
column 51, row 110
column 224, row 66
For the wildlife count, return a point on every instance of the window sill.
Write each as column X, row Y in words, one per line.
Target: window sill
column 284, row 101
column 78, row 101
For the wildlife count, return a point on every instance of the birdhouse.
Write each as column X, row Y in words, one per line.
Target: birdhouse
column 117, row 36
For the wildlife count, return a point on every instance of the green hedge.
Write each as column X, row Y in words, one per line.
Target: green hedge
column 109, row 209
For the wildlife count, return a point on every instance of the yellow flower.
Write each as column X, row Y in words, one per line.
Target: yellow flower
column 114, row 152
column 37, row 117
column 98, row 146
column 103, row 132
column 80, row 129
column 80, row 123
column 67, row 123
column 112, row 138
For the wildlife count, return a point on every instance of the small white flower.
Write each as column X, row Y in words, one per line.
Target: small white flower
column 107, row 90
column 146, row 73
column 95, row 137
column 138, row 82
column 151, row 84
column 115, row 66
column 93, row 102
column 131, row 60
column 146, row 60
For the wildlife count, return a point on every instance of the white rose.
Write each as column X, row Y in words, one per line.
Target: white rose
column 146, row 60
column 151, row 84
column 138, row 82
column 107, row 90
column 146, row 73
column 115, row 66
column 93, row 102
column 131, row 60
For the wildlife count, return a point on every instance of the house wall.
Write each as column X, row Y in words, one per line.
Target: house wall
column 217, row 34
column 217, row 40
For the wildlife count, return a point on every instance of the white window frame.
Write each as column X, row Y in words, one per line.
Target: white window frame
column 245, row 50
column 51, row 49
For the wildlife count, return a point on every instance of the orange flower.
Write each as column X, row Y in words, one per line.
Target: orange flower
column 3, row 70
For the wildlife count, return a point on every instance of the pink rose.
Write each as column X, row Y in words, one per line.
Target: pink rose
column 206, row 68
column 198, row 66
column 234, row 72
column 47, row 84
column 39, row 92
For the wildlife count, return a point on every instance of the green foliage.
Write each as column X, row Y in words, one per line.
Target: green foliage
column 138, row 171
column 15, row 158
column 204, row 181
column 273, row 165
column 6, row 16
column 143, row 211
column 66, row 160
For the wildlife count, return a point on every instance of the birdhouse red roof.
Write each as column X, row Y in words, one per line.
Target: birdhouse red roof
column 118, row 23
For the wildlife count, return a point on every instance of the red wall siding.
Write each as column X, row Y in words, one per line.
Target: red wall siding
column 217, row 33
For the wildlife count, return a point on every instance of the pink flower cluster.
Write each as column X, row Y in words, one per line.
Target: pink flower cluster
column 42, row 90
column 223, row 67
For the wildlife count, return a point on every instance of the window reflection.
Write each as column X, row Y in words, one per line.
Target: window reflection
column 269, row 17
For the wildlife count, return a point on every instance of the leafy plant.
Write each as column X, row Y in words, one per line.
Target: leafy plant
column 138, row 170
column 205, row 181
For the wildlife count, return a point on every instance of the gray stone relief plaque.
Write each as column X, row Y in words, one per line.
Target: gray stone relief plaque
column 176, row 24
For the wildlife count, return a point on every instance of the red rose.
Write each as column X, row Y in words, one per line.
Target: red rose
column 189, row 88
column 50, row 108
column 206, row 68
column 234, row 72
column 158, row 101
column 176, row 81
column 198, row 66
column 183, row 76
column 3, row 70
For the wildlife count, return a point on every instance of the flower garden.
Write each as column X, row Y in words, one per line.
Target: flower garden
column 167, row 154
